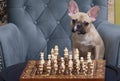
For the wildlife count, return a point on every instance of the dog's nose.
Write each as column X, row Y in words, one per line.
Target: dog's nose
column 74, row 29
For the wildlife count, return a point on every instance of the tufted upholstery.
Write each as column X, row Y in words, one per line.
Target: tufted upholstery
column 43, row 24
column 38, row 25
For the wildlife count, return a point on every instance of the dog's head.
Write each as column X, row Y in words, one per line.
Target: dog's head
column 81, row 22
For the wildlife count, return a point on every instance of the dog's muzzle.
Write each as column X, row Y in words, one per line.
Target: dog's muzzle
column 79, row 29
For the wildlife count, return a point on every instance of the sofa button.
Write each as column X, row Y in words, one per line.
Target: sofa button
column 45, row 5
column 58, row 22
column 24, row 7
column 35, row 22
column 92, row 4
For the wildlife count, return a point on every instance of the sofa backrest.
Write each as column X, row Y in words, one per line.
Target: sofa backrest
column 45, row 23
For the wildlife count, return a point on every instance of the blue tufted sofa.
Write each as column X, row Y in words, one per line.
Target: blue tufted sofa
column 38, row 25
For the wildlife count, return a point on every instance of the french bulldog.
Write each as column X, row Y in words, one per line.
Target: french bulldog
column 84, row 32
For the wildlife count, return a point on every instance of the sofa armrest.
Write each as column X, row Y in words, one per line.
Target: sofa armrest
column 110, row 34
column 11, row 45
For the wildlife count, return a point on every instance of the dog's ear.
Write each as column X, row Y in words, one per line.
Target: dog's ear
column 72, row 8
column 93, row 12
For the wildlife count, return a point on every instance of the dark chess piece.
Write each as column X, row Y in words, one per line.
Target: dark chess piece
column 67, row 71
column 59, row 71
column 74, row 71
column 39, row 69
column 89, row 69
column 44, row 68
column 58, row 58
column 82, row 70
column 52, row 72
column 82, row 66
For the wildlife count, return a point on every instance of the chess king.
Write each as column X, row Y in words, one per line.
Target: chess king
column 83, row 31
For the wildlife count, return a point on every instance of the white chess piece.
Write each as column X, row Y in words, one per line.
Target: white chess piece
column 55, row 64
column 42, row 58
column 66, row 53
column 76, row 53
column 56, row 49
column 70, row 64
column 77, row 64
column 49, row 64
column 52, row 51
column 89, row 57
column 90, row 63
column 49, row 59
column 63, row 64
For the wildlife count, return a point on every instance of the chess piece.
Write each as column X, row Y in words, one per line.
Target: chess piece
column 67, row 71
column 55, row 65
column 42, row 58
column 77, row 64
column 60, row 68
column 74, row 71
column 52, row 54
column 45, row 68
column 66, row 53
column 89, row 65
column 82, row 66
column 52, row 68
column 49, row 65
column 52, row 51
column 70, row 64
column 39, row 68
column 56, row 49
column 49, row 59
column 66, row 59
column 62, row 64
column 89, row 56
column 76, row 53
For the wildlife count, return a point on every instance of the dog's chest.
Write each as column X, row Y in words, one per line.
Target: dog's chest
column 82, row 39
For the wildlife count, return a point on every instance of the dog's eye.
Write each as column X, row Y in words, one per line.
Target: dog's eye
column 86, row 23
column 73, row 21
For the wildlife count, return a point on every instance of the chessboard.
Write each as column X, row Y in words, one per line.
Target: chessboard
column 70, row 67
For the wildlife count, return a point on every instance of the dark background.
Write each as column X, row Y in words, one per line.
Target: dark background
column 3, row 12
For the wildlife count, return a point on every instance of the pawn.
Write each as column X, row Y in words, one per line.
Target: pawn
column 49, row 65
column 56, row 49
column 55, row 65
column 49, row 59
column 39, row 69
column 67, row 71
column 82, row 67
column 52, row 72
column 62, row 64
column 66, row 53
column 45, row 69
column 70, row 64
column 77, row 64
column 59, row 70
column 42, row 58
column 89, row 65
column 52, row 51
column 74, row 71
column 76, row 53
